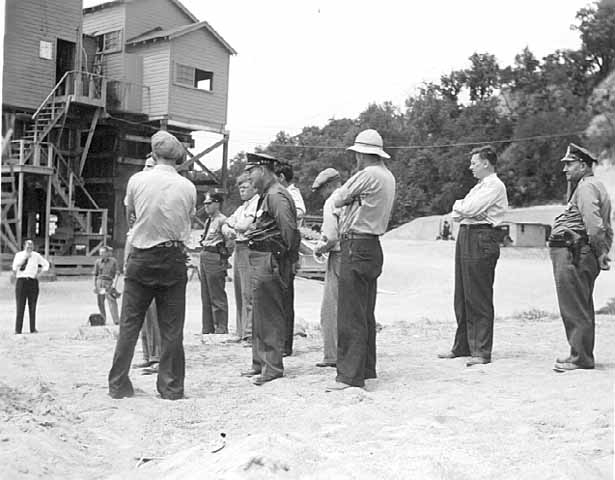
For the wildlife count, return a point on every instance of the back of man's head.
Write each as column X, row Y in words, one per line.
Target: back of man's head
column 285, row 169
column 166, row 148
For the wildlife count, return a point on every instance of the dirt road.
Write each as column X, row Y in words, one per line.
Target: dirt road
column 422, row 418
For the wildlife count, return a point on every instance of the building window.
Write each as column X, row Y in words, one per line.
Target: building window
column 109, row 42
column 193, row 77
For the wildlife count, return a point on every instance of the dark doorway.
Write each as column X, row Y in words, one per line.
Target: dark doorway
column 65, row 58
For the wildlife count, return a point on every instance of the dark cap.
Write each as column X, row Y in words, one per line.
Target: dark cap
column 213, row 198
column 260, row 159
column 575, row 153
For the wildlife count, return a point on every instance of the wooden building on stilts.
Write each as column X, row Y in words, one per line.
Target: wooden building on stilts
column 83, row 91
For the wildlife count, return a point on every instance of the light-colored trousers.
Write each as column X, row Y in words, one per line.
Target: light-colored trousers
column 243, row 291
column 328, row 309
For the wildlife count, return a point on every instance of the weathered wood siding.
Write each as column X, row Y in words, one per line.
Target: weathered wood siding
column 156, row 60
column 144, row 15
column 27, row 78
column 103, row 21
column 201, row 50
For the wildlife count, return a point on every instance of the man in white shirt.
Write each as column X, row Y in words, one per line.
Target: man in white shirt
column 27, row 266
column 235, row 227
column 327, row 183
column 476, row 255
column 163, row 203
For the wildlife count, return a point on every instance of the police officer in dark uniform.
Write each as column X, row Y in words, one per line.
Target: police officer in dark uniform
column 273, row 242
column 579, row 245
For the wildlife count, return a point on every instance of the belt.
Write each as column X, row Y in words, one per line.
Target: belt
column 358, row 236
column 169, row 244
column 241, row 242
column 475, row 226
column 211, row 249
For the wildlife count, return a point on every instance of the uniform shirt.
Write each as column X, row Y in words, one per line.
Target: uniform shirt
column 369, row 196
column 105, row 268
column 295, row 193
column 241, row 219
column 486, row 202
column 164, row 203
column 331, row 221
column 32, row 264
column 276, row 217
column 212, row 235
column 588, row 210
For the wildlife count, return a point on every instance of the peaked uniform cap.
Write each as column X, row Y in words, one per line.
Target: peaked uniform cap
column 575, row 153
column 324, row 177
column 258, row 159
column 369, row 141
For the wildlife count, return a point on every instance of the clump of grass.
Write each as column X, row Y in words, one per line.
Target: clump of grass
column 535, row 315
column 608, row 309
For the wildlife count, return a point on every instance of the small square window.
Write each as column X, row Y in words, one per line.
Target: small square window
column 193, row 77
column 109, row 42
column 203, row 80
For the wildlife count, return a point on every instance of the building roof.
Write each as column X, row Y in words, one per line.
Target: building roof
column 170, row 33
column 111, row 3
column 159, row 33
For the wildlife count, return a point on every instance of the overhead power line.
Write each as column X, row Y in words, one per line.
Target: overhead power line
column 448, row 145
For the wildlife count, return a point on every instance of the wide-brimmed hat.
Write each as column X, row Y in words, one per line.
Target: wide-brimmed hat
column 369, row 141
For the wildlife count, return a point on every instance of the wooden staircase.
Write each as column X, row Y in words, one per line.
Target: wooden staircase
column 8, row 220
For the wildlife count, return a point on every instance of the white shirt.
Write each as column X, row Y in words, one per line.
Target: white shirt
column 164, row 203
column 241, row 219
column 486, row 202
column 331, row 221
column 33, row 263
column 295, row 193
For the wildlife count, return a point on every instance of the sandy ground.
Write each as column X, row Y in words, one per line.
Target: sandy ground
column 422, row 418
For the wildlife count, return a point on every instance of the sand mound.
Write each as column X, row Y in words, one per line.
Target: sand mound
column 424, row 228
column 268, row 456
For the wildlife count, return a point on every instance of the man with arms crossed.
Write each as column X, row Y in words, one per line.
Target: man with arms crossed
column 368, row 197
column 163, row 203
column 476, row 254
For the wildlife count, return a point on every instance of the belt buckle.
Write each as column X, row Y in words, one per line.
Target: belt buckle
column 167, row 244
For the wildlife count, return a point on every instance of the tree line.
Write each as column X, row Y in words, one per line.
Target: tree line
column 567, row 96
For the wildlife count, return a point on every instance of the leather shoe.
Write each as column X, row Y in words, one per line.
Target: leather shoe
column 562, row 360
column 477, row 361
column 568, row 366
column 450, row 355
column 249, row 373
column 260, row 380
column 326, row 364
column 338, row 386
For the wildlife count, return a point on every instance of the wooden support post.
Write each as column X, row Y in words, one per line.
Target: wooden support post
column 47, row 215
column 104, row 226
column 71, row 188
column 88, row 142
column 224, row 172
column 19, row 209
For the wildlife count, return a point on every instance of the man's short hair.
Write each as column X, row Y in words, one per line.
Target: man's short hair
column 486, row 152
column 286, row 169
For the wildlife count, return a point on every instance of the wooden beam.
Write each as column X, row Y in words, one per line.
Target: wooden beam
column 19, row 209
column 47, row 216
column 88, row 142
column 193, row 158
column 224, row 172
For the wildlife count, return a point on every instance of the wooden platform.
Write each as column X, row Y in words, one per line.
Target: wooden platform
column 73, row 264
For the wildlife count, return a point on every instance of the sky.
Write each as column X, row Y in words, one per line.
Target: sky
column 303, row 63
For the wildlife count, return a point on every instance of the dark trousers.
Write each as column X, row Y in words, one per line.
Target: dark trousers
column 268, row 314
column 159, row 274
column 289, row 307
column 476, row 255
column 26, row 289
column 213, row 295
column 361, row 265
column 150, row 335
column 575, row 288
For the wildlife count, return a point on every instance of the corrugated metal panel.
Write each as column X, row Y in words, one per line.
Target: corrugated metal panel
column 142, row 16
column 27, row 78
column 201, row 50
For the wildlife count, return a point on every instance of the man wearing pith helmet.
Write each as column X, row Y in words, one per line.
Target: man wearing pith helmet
column 579, row 245
column 368, row 200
